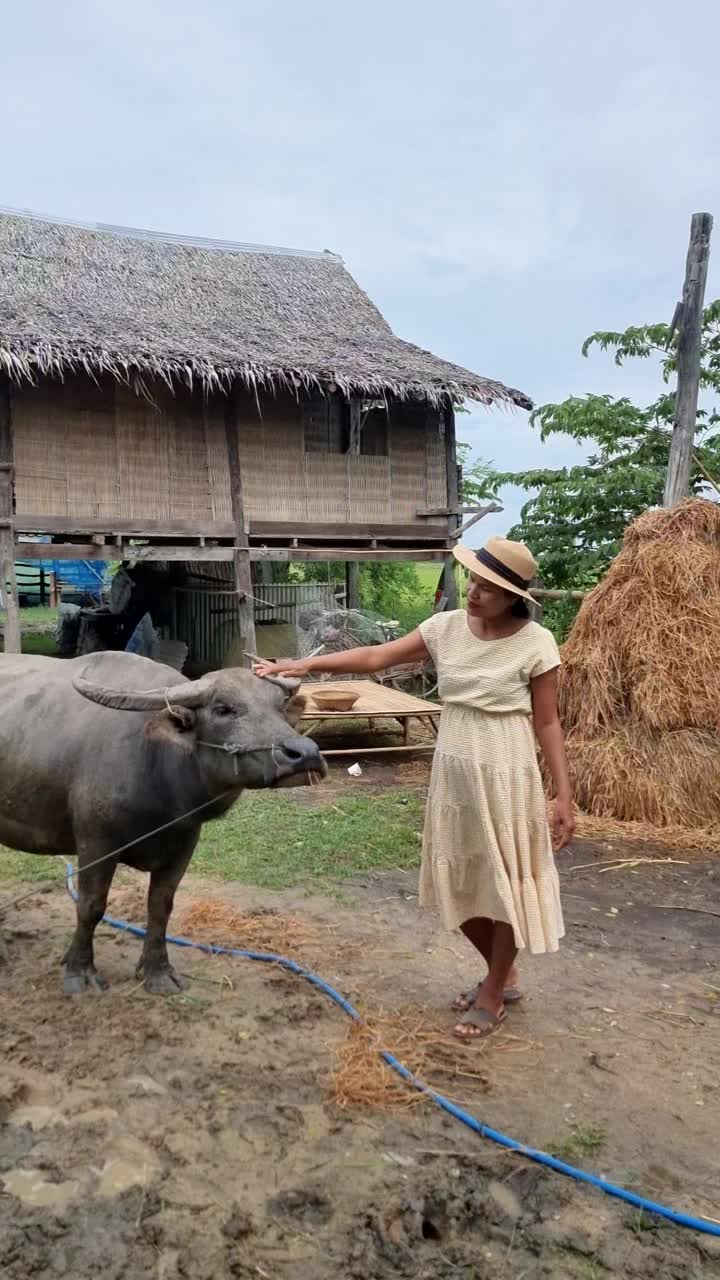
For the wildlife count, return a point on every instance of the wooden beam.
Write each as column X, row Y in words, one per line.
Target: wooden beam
column 542, row 593
column 243, row 572
column 449, row 587
column 80, row 526
column 111, row 526
column 688, row 318
column 424, row 513
column 480, row 512
column 87, row 551
column 363, row 555
column 311, row 531
column 12, row 637
column 169, row 552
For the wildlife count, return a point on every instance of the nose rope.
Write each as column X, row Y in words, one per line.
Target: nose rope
column 234, row 750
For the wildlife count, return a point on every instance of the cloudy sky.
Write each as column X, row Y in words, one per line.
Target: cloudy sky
column 502, row 178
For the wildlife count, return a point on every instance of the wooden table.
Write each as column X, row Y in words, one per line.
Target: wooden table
column 375, row 702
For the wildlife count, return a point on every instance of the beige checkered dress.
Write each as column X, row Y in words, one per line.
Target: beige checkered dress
column 487, row 849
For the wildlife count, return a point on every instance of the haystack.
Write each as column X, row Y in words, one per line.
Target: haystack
column 640, row 686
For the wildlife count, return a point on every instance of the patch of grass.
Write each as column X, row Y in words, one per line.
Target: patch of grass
column 38, row 615
column 579, row 1143
column 272, row 840
column 593, row 1270
column 39, row 644
column 28, row 866
column 639, row 1223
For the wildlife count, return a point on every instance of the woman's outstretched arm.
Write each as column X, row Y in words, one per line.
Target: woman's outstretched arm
column 373, row 657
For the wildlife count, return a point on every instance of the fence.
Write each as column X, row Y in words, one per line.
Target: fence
column 34, row 585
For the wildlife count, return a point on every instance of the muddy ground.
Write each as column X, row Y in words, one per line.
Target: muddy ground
column 157, row 1139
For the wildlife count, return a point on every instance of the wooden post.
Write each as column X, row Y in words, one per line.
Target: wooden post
column 12, row 639
column 243, row 573
column 352, row 585
column 688, row 320
column 264, row 573
column 449, row 587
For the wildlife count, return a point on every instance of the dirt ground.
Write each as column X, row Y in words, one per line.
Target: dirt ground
column 157, row 1139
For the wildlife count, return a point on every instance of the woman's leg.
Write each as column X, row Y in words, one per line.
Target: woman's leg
column 488, row 1003
column 481, row 932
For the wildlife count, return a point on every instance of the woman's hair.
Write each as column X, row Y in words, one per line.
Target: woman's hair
column 520, row 608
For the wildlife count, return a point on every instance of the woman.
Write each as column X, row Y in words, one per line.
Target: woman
column 487, row 851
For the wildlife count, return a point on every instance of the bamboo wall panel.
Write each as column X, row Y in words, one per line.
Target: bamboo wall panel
column 218, row 473
column 369, row 490
column 189, row 472
column 437, row 492
column 407, row 463
column 143, row 454
column 85, row 449
column 64, row 447
column 327, row 488
column 272, row 458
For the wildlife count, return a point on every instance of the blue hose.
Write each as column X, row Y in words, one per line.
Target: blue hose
column 485, row 1131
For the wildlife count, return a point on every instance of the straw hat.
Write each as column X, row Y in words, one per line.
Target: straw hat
column 510, row 565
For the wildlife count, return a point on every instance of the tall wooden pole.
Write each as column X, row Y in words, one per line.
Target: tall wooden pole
column 352, row 585
column 243, row 573
column 449, row 588
column 688, row 321
column 8, row 584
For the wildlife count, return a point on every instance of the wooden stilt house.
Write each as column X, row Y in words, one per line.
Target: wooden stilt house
column 165, row 398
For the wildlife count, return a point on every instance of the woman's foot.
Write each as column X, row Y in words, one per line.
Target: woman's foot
column 478, row 1024
column 511, row 995
column 484, row 1016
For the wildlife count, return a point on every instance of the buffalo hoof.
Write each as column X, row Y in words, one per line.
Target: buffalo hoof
column 75, row 984
column 164, row 982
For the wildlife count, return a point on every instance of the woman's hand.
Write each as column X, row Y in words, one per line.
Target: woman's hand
column 283, row 667
column 563, row 825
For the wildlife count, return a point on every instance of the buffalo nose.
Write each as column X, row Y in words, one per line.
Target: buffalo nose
column 299, row 754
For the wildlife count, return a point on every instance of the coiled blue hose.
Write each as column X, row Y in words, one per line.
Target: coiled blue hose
column 485, row 1131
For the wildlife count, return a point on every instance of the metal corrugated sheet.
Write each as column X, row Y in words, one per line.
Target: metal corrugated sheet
column 280, row 601
column 206, row 619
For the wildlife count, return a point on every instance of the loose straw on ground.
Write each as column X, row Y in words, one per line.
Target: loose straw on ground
column 422, row 1040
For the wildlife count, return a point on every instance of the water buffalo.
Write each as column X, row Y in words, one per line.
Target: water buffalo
column 97, row 752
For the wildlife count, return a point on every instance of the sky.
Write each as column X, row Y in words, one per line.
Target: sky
column 503, row 178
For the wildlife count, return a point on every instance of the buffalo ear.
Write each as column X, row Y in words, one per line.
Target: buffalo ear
column 295, row 708
column 172, row 728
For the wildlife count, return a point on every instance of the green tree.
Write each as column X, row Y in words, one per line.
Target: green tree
column 479, row 478
column 577, row 515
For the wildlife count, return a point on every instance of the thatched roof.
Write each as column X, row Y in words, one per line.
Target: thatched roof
column 137, row 304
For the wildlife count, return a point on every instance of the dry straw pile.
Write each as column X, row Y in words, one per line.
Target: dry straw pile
column 640, row 686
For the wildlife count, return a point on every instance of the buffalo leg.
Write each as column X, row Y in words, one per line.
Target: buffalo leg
column 93, row 890
column 159, row 975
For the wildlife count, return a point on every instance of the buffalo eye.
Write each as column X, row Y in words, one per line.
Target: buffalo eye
column 221, row 709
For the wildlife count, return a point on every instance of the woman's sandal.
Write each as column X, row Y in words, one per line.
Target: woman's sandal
column 480, row 1023
column 466, row 999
